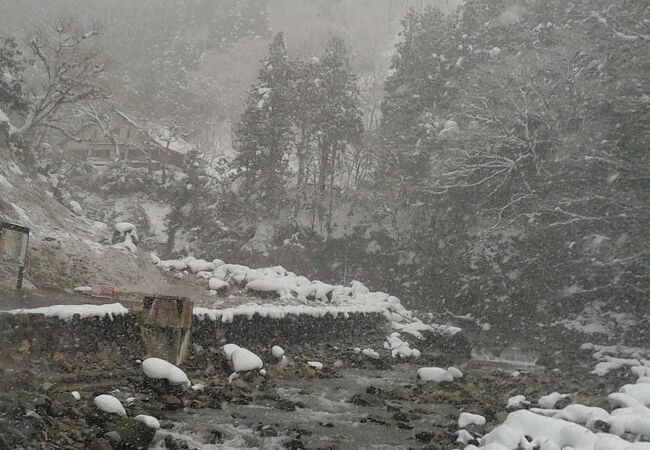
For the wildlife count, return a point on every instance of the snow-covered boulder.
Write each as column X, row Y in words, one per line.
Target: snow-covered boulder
column 370, row 353
column 109, row 404
column 76, row 207
column 277, row 352
column 216, row 284
column 435, row 374
column 244, row 360
column 157, row 368
column 315, row 365
column 549, row 401
column 149, row 421
column 466, row 419
column 517, row 402
column 228, row 349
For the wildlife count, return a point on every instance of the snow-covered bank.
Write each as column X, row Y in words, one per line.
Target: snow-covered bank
column 297, row 295
column 625, row 425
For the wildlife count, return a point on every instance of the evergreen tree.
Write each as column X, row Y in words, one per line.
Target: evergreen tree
column 264, row 136
column 417, row 93
column 11, row 77
column 340, row 121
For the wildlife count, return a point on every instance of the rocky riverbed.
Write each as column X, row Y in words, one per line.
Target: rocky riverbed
column 355, row 401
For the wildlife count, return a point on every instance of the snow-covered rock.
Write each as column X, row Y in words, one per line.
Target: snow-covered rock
column 149, row 421
column 228, row 349
column 549, row 401
column 216, row 284
column 244, row 360
column 465, row 419
column 370, row 353
column 517, row 402
column 315, row 365
column 157, row 368
column 76, row 207
column 435, row 374
column 277, row 352
column 109, row 404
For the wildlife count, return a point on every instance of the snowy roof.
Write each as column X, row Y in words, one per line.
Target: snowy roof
column 165, row 138
column 162, row 135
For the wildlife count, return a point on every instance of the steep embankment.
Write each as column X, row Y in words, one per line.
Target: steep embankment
column 66, row 249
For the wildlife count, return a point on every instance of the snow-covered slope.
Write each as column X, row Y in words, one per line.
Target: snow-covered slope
column 66, row 249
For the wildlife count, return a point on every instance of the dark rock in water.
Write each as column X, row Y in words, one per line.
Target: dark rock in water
column 393, row 408
column 288, row 405
column 172, row 402
column 175, row 444
column 295, row 444
column 372, row 390
column 424, row 436
column 214, row 437
column 404, row 426
column 405, row 417
column 365, row 400
column 268, row 431
column 375, row 419
column 130, row 434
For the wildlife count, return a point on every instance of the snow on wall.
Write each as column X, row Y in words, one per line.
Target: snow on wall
column 67, row 312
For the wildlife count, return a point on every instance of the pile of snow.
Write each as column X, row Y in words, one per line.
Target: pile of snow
column 157, row 368
column 67, row 312
column 109, row 404
column 149, row 421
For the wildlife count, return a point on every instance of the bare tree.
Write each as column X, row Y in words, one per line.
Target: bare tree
column 66, row 70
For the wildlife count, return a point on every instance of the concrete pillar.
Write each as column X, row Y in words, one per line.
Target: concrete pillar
column 167, row 327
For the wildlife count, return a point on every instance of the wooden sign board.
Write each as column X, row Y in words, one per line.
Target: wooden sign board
column 13, row 247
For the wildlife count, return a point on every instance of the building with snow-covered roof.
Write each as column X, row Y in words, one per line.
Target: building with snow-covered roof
column 121, row 138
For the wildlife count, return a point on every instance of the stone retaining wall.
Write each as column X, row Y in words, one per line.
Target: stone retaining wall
column 37, row 335
column 29, row 336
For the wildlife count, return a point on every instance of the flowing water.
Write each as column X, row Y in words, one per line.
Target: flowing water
column 327, row 416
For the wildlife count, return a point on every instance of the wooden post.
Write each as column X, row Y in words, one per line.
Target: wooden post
column 167, row 327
